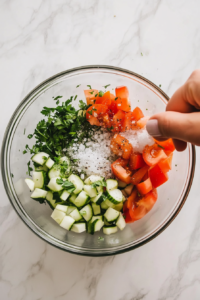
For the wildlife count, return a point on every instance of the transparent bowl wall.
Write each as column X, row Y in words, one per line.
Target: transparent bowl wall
column 144, row 94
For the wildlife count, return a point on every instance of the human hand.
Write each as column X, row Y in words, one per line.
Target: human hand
column 181, row 121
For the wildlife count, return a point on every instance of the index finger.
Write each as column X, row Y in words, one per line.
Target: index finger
column 178, row 101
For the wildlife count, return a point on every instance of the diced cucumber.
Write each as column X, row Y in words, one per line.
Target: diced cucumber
column 38, row 179
column 92, row 178
column 121, row 222
column 97, row 218
column 72, row 198
column 41, row 168
column 49, row 163
column 50, row 200
column 87, row 212
column 90, row 226
column 58, row 215
column 64, row 195
column 117, row 207
column 96, row 209
column 104, row 205
column 121, row 184
column 128, row 189
column 92, row 192
column 98, row 225
column 54, row 186
column 62, row 208
column 111, row 214
column 81, row 199
column 109, row 229
column 107, row 223
column 111, row 184
column 79, row 227
column 65, row 159
column 99, row 189
column 98, row 199
column 78, row 183
column 115, row 196
column 75, row 214
column 67, row 222
column 70, row 209
column 30, row 183
column 95, row 224
column 54, row 171
column 38, row 194
column 40, row 158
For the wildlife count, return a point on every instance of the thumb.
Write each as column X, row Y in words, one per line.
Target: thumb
column 180, row 126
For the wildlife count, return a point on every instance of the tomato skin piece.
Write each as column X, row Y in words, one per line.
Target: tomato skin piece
column 138, row 175
column 157, row 176
column 126, row 213
column 167, row 145
column 136, row 161
column 121, row 173
column 121, row 146
column 142, row 122
column 153, row 154
column 149, row 200
column 137, row 114
column 144, row 187
column 122, row 162
column 122, row 95
column 132, row 198
column 94, row 121
column 118, row 120
column 166, row 164
column 90, row 97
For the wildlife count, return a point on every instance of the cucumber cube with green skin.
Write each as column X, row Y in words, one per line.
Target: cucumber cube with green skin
column 109, row 229
column 58, row 215
column 30, row 183
column 64, row 195
column 81, row 199
column 67, row 222
column 40, row 158
column 62, row 208
column 54, row 186
column 96, row 209
column 70, row 209
column 39, row 194
column 117, row 207
column 75, row 214
column 121, row 222
column 111, row 184
column 93, row 178
column 78, row 183
column 38, row 179
column 54, row 171
column 104, row 205
column 90, row 191
column 115, row 196
column 111, row 215
column 49, row 163
column 87, row 212
column 78, row 227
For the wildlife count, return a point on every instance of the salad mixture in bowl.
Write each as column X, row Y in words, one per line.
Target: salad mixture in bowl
column 98, row 184
column 96, row 166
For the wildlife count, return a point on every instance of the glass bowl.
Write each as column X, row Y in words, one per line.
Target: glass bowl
column 143, row 93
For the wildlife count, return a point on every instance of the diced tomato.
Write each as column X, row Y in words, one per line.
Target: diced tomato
column 90, row 96
column 166, row 145
column 166, row 164
column 113, row 108
column 142, row 122
column 94, row 121
column 121, row 173
column 142, row 206
column 118, row 120
column 157, row 176
column 97, row 111
column 153, row 154
column 144, row 187
column 168, row 152
column 122, row 162
column 105, row 99
column 106, row 121
column 146, row 176
column 112, row 97
column 122, row 96
column 138, row 175
column 132, row 198
column 126, row 213
column 121, row 146
column 137, row 114
column 136, row 161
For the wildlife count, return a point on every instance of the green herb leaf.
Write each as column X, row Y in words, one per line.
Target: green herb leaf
column 58, row 97
column 67, row 185
column 29, row 168
column 24, row 131
column 101, row 94
column 75, row 97
column 100, row 238
column 89, row 86
column 105, row 86
column 78, row 85
column 99, row 183
column 161, row 146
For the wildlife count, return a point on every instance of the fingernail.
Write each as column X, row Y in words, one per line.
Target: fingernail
column 152, row 128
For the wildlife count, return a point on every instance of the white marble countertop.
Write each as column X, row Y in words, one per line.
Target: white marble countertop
column 41, row 38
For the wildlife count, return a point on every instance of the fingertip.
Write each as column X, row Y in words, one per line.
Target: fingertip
column 179, row 145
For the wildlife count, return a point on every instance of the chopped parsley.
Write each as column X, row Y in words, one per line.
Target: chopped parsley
column 67, row 185
column 24, row 130
column 78, row 85
column 161, row 146
column 105, row 86
column 141, row 54
column 101, row 94
column 75, row 97
column 159, row 85
column 89, row 86
column 99, row 183
column 29, row 169
column 100, row 238
column 91, row 92
column 175, row 165
column 12, row 175
column 58, row 97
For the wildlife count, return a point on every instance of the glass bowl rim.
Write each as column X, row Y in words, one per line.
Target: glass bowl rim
column 159, row 230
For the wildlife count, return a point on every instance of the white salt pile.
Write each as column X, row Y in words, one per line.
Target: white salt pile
column 138, row 139
column 96, row 157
